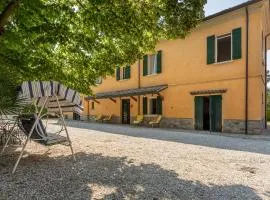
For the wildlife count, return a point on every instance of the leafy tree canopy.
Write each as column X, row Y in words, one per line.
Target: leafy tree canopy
column 76, row 41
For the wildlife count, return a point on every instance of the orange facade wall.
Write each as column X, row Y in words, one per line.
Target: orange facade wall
column 184, row 69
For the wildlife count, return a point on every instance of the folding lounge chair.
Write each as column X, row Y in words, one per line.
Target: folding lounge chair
column 99, row 118
column 139, row 120
column 156, row 122
column 107, row 119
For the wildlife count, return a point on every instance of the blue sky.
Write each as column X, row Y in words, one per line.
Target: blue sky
column 214, row 6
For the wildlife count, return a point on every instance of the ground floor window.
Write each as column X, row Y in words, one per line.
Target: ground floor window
column 93, row 105
column 152, row 106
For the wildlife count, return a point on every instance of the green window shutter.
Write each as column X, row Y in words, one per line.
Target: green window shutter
column 237, row 43
column 159, row 62
column 145, row 65
column 127, row 72
column 145, row 107
column 216, row 113
column 211, row 44
column 117, row 73
column 159, row 105
column 199, row 113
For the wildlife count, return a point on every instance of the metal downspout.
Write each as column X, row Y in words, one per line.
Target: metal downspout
column 266, row 60
column 139, row 86
column 247, row 70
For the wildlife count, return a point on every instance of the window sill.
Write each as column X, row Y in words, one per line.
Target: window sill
column 149, row 75
column 224, row 62
column 123, row 80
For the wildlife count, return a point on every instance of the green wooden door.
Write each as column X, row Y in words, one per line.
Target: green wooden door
column 125, row 111
column 199, row 113
column 216, row 113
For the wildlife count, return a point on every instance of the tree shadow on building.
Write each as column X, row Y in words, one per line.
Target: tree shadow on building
column 94, row 176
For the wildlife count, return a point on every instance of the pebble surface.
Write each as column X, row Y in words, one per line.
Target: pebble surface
column 119, row 162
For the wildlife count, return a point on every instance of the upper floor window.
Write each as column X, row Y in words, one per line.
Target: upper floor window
column 225, row 47
column 98, row 80
column 152, row 64
column 123, row 73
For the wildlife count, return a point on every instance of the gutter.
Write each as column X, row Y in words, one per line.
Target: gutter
column 266, row 60
column 139, row 86
column 265, row 95
column 247, row 70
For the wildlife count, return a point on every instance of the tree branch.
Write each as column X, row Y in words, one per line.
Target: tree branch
column 7, row 12
column 79, row 2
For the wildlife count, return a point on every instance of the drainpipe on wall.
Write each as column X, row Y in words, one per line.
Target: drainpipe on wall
column 139, row 86
column 265, row 63
column 247, row 64
column 88, row 117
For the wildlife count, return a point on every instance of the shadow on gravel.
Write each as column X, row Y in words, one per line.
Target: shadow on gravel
column 94, row 176
column 187, row 137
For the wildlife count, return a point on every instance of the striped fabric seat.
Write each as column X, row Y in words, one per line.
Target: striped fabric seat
column 69, row 99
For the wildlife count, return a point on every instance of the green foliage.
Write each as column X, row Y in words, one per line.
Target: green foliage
column 268, row 115
column 10, row 102
column 77, row 41
column 31, row 109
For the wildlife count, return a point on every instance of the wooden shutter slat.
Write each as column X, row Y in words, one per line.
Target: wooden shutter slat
column 159, row 105
column 237, row 43
column 127, row 72
column 117, row 73
column 216, row 113
column 159, row 62
column 145, row 65
column 145, row 107
column 199, row 113
column 211, row 48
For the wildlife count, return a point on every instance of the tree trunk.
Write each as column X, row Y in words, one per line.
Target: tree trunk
column 7, row 12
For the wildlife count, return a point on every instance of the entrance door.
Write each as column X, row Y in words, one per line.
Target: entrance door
column 208, row 113
column 125, row 111
column 216, row 113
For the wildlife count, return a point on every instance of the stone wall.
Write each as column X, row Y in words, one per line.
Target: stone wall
column 229, row 125
column 177, row 123
column 238, row 126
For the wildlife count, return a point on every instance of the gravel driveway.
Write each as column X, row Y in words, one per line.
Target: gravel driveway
column 121, row 162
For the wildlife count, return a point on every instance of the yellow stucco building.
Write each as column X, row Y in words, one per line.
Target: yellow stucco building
column 214, row 79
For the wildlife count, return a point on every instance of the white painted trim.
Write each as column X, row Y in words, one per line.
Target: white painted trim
column 155, row 64
column 224, row 62
column 216, row 47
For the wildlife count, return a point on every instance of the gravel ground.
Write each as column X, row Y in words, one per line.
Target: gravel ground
column 121, row 162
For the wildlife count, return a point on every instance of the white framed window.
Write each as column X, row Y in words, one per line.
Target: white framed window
column 98, row 80
column 123, row 73
column 152, row 64
column 224, row 48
